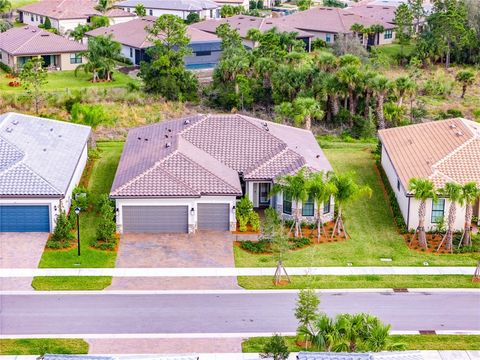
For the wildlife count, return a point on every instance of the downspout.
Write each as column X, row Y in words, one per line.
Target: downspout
column 408, row 213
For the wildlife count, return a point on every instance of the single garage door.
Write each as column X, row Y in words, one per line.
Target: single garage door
column 214, row 217
column 155, row 219
column 24, row 218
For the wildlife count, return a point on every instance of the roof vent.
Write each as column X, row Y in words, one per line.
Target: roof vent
column 166, row 136
column 15, row 122
column 453, row 126
column 186, row 122
column 169, row 130
column 9, row 130
column 167, row 145
column 459, row 133
column 139, row 138
column 51, row 129
column 146, row 139
column 44, row 149
column 318, row 156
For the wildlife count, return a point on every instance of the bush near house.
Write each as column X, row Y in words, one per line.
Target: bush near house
column 62, row 234
column 245, row 215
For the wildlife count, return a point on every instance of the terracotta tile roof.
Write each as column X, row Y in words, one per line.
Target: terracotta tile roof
column 181, row 5
column 133, row 33
column 447, row 150
column 327, row 19
column 205, row 154
column 30, row 40
column 70, row 9
column 380, row 13
column 243, row 23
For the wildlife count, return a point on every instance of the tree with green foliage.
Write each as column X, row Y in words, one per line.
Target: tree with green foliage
column 404, row 86
column 422, row 190
column 165, row 73
column 230, row 10
column 104, row 6
column 99, row 21
column 466, row 78
column 304, row 4
column 78, row 34
column 418, row 12
column 61, row 235
column 349, row 75
column 320, row 189
column 358, row 30
column 380, row 85
column 107, row 227
column 403, row 26
column 302, row 110
column 5, row 6
column 92, row 115
column 470, row 194
column 307, row 312
column 334, row 3
column 5, row 25
column 140, row 10
column 275, row 349
column 34, row 76
column 294, row 186
column 453, row 192
column 102, row 54
column 192, row 18
column 346, row 191
column 377, row 29
column 47, row 24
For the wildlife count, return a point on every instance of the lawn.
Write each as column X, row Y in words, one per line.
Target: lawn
column 59, row 81
column 413, row 342
column 60, row 283
column 369, row 222
column 42, row 346
column 361, row 281
column 100, row 182
column 19, row 3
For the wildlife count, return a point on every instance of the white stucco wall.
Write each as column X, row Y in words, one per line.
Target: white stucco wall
column 75, row 180
column 190, row 202
column 204, row 14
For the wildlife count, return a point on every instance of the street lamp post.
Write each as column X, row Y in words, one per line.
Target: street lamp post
column 77, row 211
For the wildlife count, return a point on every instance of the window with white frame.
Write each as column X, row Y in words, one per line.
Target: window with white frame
column 438, row 210
column 75, row 58
column 388, row 34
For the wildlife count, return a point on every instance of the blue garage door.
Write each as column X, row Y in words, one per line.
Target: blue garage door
column 24, row 218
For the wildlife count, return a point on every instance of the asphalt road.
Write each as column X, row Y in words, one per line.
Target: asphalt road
column 224, row 313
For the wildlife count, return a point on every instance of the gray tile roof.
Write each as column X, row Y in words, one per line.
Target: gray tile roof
column 204, row 155
column 31, row 40
column 38, row 156
column 392, row 355
column 182, row 5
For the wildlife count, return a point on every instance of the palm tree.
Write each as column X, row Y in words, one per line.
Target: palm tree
column 320, row 188
column 404, row 86
column 322, row 333
column 470, row 194
column 306, row 108
column 350, row 76
column 380, row 86
column 5, row 6
column 326, row 61
column 466, row 78
column 346, row 190
column 377, row 30
column 357, row 30
column 367, row 77
column 454, row 192
column 296, row 187
column 422, row 190
column 103, row 6
column 333, row 88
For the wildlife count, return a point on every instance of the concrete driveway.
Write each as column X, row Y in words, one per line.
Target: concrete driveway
column 20, row 250
column 203, row 249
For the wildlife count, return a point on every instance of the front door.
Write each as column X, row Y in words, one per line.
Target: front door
column 264, row 198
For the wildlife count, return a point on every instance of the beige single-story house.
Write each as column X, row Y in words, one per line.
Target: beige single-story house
column 327, row 23
column 66, row 15
column 187, row 174
column 18, row 45
column 41, row 162
column 206, row 9
column 442, row 151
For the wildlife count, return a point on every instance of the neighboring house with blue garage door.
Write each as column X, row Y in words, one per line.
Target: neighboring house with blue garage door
column 41, row 162
column 134, row 38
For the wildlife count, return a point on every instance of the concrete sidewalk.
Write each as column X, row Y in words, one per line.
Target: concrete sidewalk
column 232, row 272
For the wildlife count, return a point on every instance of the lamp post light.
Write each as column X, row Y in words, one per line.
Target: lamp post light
column 77, row 211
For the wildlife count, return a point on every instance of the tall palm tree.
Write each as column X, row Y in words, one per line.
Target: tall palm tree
column 377, row 30
column 422, row 190
column 350, row 76
column 326, row 61
column 295, row 186
column 357, row 30
column 346, row 190
column 454, row 193
column 470, row 194
column 380, row 86
column 305, row 109
column 404, row 86
column 334, row 89
column 320, row 188
column 367, row 77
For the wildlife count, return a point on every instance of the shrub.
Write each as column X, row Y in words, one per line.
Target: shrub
column 254, row 220
column 242, row 223
column 5, row 68
column 47, row 25
column 298, row 243
column 105, row 238
column 438, row 86
column 449, row 114
column 256, row 247
column 275, row 348
column 244, row 207
column 81, row 201
column 476, row 114
column 61, row 235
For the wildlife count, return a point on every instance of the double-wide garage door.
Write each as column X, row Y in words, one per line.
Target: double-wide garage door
column 155, row 219
column 24, row 218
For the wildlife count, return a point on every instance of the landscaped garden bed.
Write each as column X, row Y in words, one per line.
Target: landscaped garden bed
column 434, row 240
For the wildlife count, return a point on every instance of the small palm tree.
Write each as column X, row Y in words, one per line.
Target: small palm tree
column 296, row 187
column 357, row 30
column 350, row 76
column 422, row 190
column 454, row 192
column 326, row 61
column 470, row 194
column 306, row 108
column 404, row 86
column 380, row 86
column 377, row 30
column 466, row 78
column 320, row 188
column 346, row 190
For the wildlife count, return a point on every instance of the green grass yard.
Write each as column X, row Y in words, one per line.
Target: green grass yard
column 19, row 3
column 59, row 81
column 361, row 281
column 369, row 222
column 100, row 182
column 42, row 346
column 413, row 342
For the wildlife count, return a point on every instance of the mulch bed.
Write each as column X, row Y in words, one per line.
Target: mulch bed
column 249, row 231
column 433, row 240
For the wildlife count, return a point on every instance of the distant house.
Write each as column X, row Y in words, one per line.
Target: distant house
column 243, row 3
column 186, row 174
column 133, row 37
column 66, row 15
column 243, row 23
column 206, row 9
column 18, row 45
column 442, row 151
column 327, row 23
column 41, row 162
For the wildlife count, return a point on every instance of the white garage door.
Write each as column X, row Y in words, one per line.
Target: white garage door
column 155, row 219
column 214, row 217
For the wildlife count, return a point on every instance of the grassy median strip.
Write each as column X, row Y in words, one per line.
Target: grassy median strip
column 53, row 283
column 360, row 281
column 42, row 346
column 413, row 342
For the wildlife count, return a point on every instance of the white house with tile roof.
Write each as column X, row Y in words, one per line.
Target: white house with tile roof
column 186, row 174
column 443, row 151
column 41, row 162
column 205, row 9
